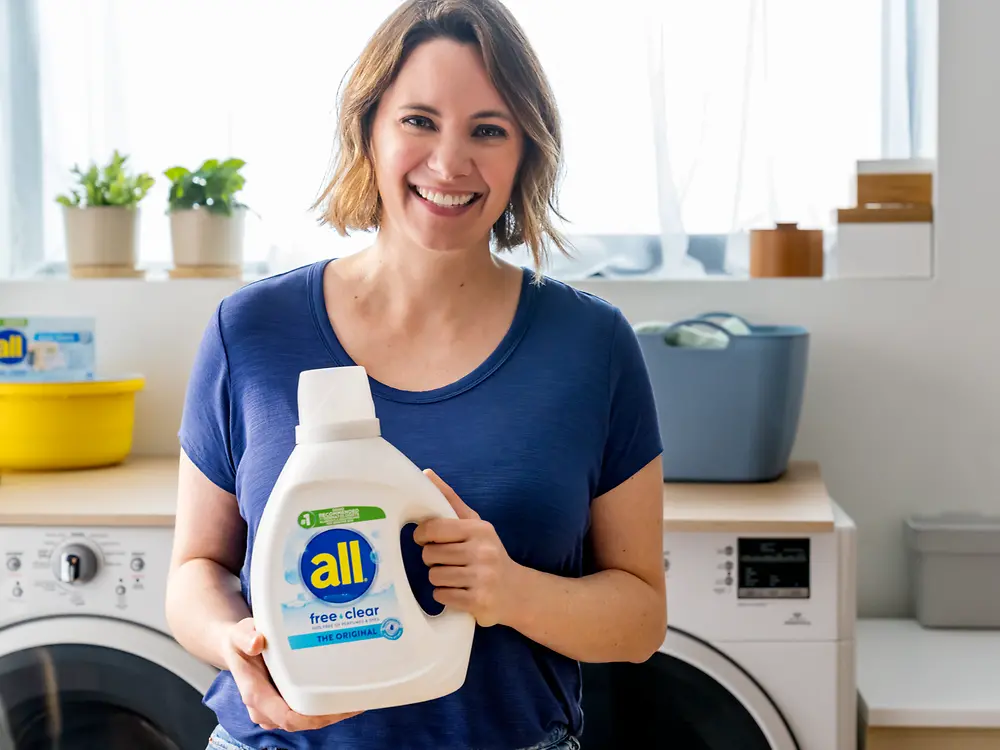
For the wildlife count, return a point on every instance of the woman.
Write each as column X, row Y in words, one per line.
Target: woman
column 527, row 400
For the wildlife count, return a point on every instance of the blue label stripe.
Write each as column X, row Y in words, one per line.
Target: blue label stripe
column 331, row 637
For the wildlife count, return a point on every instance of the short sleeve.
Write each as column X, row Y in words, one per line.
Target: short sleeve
column 633, row 437
column 205, row 422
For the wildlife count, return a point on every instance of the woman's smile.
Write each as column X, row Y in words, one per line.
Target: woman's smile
column 445, row 203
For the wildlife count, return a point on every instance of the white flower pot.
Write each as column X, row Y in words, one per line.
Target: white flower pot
column 101, row 240
column 201, row 239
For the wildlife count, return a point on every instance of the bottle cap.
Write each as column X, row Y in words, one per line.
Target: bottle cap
column 333, row 396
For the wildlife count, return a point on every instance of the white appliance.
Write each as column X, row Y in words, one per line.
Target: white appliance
column 86, row 659
column 760, row 651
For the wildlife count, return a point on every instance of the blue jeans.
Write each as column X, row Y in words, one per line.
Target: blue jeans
column 558, row 740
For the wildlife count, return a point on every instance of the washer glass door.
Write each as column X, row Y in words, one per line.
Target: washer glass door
column 82, row 696
column 688, row 695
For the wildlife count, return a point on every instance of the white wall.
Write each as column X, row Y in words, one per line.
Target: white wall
column 903, row 397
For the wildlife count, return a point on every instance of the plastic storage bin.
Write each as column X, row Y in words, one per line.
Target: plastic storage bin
column 954, row 568
column 728, row 414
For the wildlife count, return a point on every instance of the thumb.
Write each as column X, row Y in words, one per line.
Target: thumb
column 457, row 504
column 255, row 643
column 250, row 642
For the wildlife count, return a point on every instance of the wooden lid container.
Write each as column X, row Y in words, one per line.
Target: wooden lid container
column 786, row 251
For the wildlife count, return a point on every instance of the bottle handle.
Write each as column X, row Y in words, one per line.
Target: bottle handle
column 449, row 624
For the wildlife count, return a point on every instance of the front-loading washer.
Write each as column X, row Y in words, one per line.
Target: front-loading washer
column 759, row 653
column 86, row 657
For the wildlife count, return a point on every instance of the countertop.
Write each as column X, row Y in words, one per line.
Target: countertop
column 139, row 492
column 909, row 676
column 797, row 503
column 142, row 491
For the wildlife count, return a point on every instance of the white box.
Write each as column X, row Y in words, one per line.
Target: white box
column 891, row 250
column 895, row 166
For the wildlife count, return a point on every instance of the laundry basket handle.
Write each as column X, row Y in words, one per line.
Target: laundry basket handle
column 697, row 322
column 722, row 314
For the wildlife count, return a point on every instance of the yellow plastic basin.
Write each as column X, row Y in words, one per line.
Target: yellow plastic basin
column 75, row 425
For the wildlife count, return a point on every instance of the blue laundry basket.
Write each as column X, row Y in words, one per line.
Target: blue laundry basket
column 729, row 414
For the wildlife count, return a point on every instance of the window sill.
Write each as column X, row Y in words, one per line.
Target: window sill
column 870, row 252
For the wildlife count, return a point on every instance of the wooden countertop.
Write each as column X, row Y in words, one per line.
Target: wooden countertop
column 143, row 491
column 139, row 492
column 909, row 676
column 797, row 503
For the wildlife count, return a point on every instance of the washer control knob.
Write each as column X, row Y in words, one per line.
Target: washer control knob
column 74, row 563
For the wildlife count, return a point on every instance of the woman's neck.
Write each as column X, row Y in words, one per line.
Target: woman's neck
column 410, row 283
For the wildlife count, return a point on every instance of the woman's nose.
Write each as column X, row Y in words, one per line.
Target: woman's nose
column 450, row 158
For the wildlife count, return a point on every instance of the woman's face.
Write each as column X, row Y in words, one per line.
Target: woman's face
column 446, row 148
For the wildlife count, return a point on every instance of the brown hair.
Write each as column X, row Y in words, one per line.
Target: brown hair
column 351, row 195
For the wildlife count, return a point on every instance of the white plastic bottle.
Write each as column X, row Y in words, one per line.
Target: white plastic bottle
column 328, row 589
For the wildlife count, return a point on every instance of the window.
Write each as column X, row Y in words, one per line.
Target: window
column 687, row 121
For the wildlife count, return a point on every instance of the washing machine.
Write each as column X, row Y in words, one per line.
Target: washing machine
column 86, row 659
column 759, row 653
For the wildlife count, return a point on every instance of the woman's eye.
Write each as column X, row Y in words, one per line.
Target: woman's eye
column 490, row 131
column 418, row 121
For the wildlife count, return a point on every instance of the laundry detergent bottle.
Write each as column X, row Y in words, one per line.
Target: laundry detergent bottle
column 329, row 593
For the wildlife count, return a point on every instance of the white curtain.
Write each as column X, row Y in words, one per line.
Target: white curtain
column 681, row 118
column 763, row 108
column 6, row 144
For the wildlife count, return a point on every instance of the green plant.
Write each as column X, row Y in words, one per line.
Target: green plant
column 212, row 187
column 111, row 185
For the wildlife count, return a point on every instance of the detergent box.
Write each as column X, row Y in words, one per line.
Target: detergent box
column 48, row 349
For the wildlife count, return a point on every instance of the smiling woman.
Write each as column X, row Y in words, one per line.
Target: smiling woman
column 455, row 124
column 527, row 402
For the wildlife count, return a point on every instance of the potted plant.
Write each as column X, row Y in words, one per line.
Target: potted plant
column 206, row 219
column 101, row 218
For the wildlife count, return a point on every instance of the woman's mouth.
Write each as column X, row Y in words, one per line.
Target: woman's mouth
column 445, row 203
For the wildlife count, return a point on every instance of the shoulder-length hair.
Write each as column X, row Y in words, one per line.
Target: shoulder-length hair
column 351, row 200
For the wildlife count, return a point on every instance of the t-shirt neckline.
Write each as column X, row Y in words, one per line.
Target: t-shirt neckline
column 513, row 336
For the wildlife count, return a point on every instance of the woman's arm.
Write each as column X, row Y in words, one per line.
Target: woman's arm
column 617, row 614
column 203, row 588
column 205, row 608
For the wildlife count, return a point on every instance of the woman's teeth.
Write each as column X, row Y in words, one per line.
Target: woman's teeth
column 442, row 199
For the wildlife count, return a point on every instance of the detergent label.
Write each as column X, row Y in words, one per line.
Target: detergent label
column 46, row 349
column 335, row 592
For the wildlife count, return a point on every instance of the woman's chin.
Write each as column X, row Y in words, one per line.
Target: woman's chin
column 452, row 241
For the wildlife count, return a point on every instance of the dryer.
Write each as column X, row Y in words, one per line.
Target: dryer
column 759, row 653
column 86, row 658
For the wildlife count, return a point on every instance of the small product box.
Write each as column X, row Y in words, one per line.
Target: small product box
column 38, row 349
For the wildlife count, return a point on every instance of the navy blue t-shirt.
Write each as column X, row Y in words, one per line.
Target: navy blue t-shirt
column 560, row 413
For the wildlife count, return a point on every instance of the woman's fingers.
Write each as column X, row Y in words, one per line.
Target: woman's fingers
column 442, row 531
column 451, row 576
column 299, row 722
column 459, row 598
column 446, row 554
column 458, row 505
column 264, row 703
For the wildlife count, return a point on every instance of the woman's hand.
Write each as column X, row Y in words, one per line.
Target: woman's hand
column 469, row 567
column 266, row 706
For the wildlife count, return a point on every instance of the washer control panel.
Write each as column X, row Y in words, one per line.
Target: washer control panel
column 118, row 572
column 783, row 587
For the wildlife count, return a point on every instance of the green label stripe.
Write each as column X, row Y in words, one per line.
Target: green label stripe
column 12, row 322
column 310, row 519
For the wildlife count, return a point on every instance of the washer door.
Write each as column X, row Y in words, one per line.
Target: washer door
column 79, row 683
column 688, row 695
